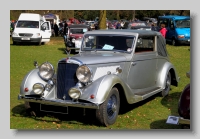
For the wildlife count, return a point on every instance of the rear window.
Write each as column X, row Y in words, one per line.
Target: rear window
column 161, row 46
column 145, row 44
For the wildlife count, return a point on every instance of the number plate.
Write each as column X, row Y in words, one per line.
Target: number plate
column 172, row 120
column 25, row 38
column 54, row 109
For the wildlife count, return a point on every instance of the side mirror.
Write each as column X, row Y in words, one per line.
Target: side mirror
column 43, row 28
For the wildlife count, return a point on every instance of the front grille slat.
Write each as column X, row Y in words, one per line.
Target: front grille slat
column 25, row 34
column 66, row 78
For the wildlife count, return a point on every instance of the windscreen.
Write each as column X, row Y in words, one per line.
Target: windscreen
column 108, row 43
column 27, row 24
column 78, row 30
column 183, row 23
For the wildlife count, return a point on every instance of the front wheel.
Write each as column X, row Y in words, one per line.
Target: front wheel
column 108, row 111
column 166, row 90
column 33, row 109
column 14, row 43
column 174, row 42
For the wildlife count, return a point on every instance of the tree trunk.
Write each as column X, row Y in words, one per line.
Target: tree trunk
column 181, row 12
column 118, row 15
column 133, row 15
column 102, row 19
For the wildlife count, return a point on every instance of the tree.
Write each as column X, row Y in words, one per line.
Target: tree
column 102, row 19
column 133, row 15
column 118, row 15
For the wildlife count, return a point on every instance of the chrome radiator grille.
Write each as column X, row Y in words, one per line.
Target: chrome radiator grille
column 25, row 34
column 66, row 78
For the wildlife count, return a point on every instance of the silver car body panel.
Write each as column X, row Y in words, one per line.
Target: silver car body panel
column 143, row 75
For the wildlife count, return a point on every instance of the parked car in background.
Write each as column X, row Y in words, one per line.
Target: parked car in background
column 31, row 28
column 178, row 28
column 112, row 67
column 54, row 18
column 91, row 24
column 137, row 25
column 75, row 33
column 183, row 107
column 112, row 24
column 74, row 21
column 149, row 20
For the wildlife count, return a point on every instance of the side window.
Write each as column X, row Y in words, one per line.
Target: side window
column 163, row 21
column 145, row 44
column 46, row 25
column 171, row 23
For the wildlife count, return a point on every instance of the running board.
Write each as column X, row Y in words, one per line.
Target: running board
column 144, row 95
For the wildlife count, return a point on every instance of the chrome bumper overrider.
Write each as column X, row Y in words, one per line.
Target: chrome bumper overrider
column 59, row 102
column 184, row 121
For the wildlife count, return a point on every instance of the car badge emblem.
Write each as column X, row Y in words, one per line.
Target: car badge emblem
column 64, row 97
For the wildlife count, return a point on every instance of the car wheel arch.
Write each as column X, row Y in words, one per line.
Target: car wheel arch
column 168, row 67
column 106, row 85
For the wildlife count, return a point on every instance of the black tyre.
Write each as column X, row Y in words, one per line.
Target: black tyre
column 40, row 42
column 33, row 109
column 166, row 90
column 108, row 111
column 174, row 42
column 43, row 43
column 14, row 43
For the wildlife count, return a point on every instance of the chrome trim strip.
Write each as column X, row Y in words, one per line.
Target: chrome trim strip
column 75, row 61
column 59, row 102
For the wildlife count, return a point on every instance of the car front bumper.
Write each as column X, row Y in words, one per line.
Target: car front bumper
column 21, row 39
column 184, row 41
column 59, row 102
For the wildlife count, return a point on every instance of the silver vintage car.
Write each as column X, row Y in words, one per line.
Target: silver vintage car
column 111, row 67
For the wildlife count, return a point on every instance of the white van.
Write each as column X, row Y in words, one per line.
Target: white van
column 31, row 27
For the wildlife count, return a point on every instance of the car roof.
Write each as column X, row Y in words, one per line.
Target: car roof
column 175, row 17
column 78, row 26
column 125, row 32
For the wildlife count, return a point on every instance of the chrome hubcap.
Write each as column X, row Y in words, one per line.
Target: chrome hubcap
column 112, row 107
column 168, row 83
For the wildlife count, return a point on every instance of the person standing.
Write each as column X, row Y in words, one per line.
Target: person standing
column 56, row 29
column 65, row 30
column 118, row 26
column 153, row 27
column 163, row 30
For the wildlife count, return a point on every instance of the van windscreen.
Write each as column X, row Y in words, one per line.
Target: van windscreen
column 182, row 23
column 27, row 24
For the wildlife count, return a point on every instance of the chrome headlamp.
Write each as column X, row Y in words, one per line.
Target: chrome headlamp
column 74, row 93
column 37, row 35
column 46, row 71
column 84, row 74
column 73, row 40
column 38, row 88
column 78, row 43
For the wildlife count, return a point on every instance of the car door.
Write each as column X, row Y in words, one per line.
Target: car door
column 46, row 34
column 142, row 71
column 170, row 30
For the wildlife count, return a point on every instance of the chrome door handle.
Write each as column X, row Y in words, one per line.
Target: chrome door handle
column 133, row 63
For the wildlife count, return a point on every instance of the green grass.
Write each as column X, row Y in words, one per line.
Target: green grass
column 148, row 114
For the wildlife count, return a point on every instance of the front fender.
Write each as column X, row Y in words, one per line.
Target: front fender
column 101, row 87
column 29, row 80
column 168, row 67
